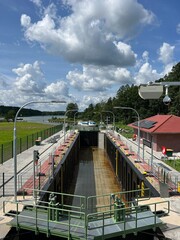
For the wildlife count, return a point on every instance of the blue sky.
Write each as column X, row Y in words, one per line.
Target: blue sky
column 83, row 51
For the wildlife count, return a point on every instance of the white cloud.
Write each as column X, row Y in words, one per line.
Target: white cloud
column 93, row 33
column 51, row 11
column 168, row 68
column 146, row 74
column 145, row 56
column 4, row 81
column 94, row 78
column 87, row 100
column 166, row 55
column 30, row 78
column 25, row 21
column 37, row 2
column 97, row 35
column 30, row 85
column 59, row 89
column 146, row 71
column 166, row 52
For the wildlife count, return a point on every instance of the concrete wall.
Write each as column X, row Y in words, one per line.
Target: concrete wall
column 128, row 175
column 101, row 140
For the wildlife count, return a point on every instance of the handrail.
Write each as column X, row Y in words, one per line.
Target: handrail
column 121, row 195
column 54, row 213
column 38, row 209
column 136, row 210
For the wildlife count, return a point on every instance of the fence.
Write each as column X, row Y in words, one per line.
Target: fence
column 6, row 149
column 165, row 175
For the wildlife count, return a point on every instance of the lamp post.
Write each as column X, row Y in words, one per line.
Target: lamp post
column 14, row 141
column 71, row 110
column 113, row 118
column 74, row 119
column 129, row 108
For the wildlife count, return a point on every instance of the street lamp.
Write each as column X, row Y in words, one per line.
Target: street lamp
column 113, row 118
column 129, row 108
column 74, row 118
column 14, row 141
column 71, row 110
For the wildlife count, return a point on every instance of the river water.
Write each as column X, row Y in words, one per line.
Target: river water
column 41, row 119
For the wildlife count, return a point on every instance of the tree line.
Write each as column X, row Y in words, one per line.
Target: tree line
column 8, row 112
column 127, row 96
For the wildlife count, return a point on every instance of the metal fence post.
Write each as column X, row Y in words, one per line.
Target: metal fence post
column 2, row 148
column 3, row 185
column 12, row 149
column 27, row 143
column 20, row 145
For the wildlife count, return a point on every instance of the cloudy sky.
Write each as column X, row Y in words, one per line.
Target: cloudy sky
column 82, row 51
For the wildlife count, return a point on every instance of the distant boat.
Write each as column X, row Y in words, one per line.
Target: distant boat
column 87, row 123
column 19, row 119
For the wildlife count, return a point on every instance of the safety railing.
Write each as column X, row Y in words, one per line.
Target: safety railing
column 103, row 202
column 73, row 214
column 128, row 215
column 38, row 218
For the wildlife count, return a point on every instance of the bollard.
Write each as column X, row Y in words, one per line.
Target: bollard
column 119, row 207
column 53, row 208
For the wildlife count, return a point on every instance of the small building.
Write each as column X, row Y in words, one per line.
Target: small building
column 160, row 130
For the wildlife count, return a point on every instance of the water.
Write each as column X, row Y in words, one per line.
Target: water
column 41, row 119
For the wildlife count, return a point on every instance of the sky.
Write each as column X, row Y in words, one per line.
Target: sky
column 83, row 51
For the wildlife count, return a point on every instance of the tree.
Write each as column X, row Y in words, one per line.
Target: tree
column 70, row 107
column 10, row 115
column 89, row 112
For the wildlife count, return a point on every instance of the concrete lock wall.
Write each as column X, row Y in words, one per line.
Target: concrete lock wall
column 128, row 175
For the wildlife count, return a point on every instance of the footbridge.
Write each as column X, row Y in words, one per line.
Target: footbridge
column 80, row 217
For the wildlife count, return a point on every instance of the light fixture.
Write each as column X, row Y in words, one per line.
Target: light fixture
column 166, row 99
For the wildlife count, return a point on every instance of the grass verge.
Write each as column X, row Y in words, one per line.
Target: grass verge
column 22, row 129
column 174, row 163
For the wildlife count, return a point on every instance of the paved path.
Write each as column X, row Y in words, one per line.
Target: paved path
column 25, row 165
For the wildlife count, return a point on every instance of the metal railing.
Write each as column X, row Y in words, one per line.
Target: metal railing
column 160, row 172
column 65, row 220
column 6, row 149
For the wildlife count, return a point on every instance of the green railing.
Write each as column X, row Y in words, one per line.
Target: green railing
column 66, row 220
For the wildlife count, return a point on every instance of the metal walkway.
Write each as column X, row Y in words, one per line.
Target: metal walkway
column 86, row 220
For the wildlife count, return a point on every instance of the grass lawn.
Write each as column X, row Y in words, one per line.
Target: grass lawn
column 126, row 130
column 174, row 163
column 22, row 129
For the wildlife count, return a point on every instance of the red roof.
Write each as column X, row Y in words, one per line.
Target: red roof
column 162, row 124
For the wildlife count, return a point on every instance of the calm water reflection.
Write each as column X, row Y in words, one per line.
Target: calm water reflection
column 41, row 119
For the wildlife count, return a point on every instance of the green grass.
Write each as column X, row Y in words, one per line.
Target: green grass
column 22, row 129
column 174, row 163
column 127, row 131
